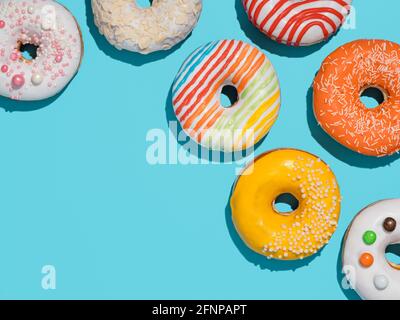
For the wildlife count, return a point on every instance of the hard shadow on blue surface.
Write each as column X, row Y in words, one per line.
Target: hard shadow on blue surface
column 336, row 149
column 257, row 259
column 133, row 58
column 350, row 294
column 266, row 43
column 10, row 105
column 201, row 152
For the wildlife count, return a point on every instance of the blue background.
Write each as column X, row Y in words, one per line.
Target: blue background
column 77, row 192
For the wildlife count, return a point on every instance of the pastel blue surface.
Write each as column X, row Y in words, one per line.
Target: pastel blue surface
column 78, row 193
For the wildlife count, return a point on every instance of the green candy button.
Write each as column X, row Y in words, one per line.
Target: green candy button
column 369, row 237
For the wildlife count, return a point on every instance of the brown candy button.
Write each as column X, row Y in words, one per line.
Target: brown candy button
column 389, row 224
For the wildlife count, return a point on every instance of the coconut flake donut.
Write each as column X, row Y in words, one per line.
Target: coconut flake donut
column 196, row 95
column 344, row 76
column 160, row 27
column 286, row 236
column 297, row 23
column 364, row 262
column 49, row 27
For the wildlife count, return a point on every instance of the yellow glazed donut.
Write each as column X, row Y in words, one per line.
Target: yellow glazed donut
column 300, row 233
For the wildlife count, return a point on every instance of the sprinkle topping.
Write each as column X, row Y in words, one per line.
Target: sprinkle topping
column 389, row 224
column 369, row 237
column 366, row 260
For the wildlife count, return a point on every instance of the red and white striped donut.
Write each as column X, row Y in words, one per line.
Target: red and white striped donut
column 297, row 22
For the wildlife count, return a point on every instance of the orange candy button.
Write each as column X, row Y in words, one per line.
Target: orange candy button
column 366, row 260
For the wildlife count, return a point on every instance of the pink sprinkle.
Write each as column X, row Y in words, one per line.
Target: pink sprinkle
column 2, row 24
column 18, row 81
column 59, row 58
column 14, row 56
column 4, row 68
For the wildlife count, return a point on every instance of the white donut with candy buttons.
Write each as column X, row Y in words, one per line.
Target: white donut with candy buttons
column 367, row 269
column 50, row 34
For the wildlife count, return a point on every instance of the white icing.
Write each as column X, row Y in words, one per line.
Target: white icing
column 381, row 280
column 48, row 25
column 159, row 27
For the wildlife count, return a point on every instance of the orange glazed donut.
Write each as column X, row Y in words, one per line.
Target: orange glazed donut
column 344, row 76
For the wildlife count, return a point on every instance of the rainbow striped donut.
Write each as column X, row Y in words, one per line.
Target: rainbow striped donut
column 197, row 90
column 297, row 23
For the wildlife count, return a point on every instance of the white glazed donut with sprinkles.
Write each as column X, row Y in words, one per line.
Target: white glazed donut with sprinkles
column 54, row 37
column 126, row 25
column 364, row 263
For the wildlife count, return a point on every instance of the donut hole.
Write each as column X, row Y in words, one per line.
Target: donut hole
column 29, row 51
column 229, row 96
column 144, row 3
column 372, row 97
column 392, row 254
column 285, row 204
